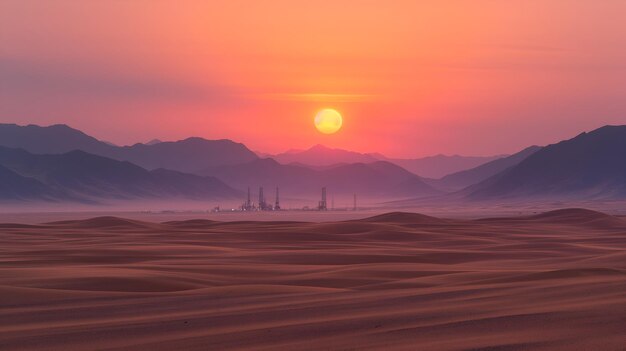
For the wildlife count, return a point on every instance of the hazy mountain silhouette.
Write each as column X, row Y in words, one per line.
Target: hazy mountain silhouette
column 591, row 165
column 432, row 166
column 320, row 155
column 463, row 179
column 154, row 141
column 440, row 165
column 373, row 179
column 54, row 139
column 187, row 155
column 16, row 187
column 82, row 176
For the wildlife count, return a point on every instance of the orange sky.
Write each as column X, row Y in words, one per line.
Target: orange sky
column 411, row 78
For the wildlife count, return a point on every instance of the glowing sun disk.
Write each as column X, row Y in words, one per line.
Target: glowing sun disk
column 328, row 121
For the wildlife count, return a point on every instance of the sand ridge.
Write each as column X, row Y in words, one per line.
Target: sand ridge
column 398, row 281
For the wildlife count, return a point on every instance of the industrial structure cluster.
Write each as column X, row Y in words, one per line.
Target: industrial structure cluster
column 264, row 205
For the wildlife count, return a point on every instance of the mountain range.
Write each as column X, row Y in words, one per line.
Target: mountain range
column 374, row 179
column 430, row 167
column 196, row 154
column 58, row 163
column 320, row 155
column 61, row 163
column 83, row 177
column 589, row 166
column 463, row 179
column 186, row 155
column 441, row 165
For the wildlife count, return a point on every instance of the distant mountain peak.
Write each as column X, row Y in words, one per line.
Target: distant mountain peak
column 154, row 141
column 321, row 155
column 196, row 139
column 321, row 147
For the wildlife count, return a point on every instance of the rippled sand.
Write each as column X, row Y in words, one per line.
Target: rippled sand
column 398, row 281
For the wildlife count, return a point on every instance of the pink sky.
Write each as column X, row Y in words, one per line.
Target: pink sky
column 411, row 78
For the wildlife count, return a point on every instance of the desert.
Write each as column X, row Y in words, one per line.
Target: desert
column 396, row 281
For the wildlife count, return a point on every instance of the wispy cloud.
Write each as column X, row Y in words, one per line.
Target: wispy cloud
column 316, row 97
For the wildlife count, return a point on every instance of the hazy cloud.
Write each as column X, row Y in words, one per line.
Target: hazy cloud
column 40, row 79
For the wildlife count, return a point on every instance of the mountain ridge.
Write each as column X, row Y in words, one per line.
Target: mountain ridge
column 83, row 177
column 187, row 155
column 380, row 178
column 590, row 165
column 463, row 179
column 429, row 167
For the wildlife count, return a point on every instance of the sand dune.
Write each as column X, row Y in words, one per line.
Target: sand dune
column 103, row 222
column 403, row 218
column 398, row 281
column 575, row 216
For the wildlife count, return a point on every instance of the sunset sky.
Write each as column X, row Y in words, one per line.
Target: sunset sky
column 411, row 78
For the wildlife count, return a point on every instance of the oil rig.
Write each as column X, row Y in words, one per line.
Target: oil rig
column 262, row 205
column 277, row 202
column 322, row 205
column 248, row 205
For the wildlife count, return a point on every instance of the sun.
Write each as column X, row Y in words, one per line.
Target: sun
column 328, row 121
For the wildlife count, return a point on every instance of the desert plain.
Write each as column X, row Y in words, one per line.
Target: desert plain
column 396, row 281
